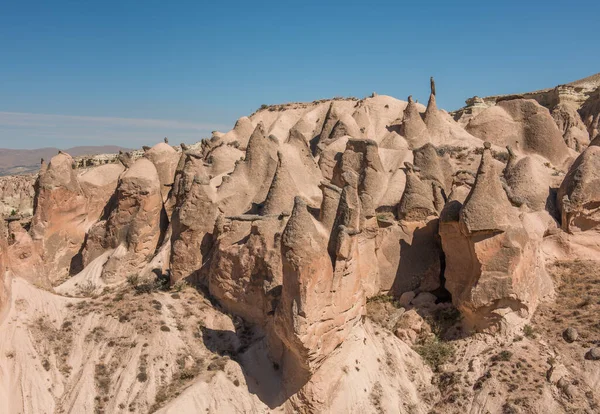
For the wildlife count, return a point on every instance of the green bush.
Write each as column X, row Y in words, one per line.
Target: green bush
column 133, row 280
column 503, row 356
column 435, row 352
column 529, row 332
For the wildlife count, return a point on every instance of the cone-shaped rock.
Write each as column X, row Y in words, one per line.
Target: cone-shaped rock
column 280, row 198
column 416, row 203
column 486, row 209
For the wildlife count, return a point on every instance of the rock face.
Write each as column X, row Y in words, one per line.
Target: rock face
column 133, row 227
column 322, row 298
column 527, row 183
column 569, row 122
column 590, row 114
column 579, row 194
column 66, row 205
column 3, row 264
column 304, row 212
column 494, row 266
column 22, row 257
column 247, row 277
column 573, row 106
column 524, row 125
column 165, row 160
column 16, row 194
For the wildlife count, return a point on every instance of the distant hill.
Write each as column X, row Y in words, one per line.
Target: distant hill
column 23, row 161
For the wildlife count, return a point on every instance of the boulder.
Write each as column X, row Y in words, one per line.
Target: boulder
column 570, row 334
column 593, row 354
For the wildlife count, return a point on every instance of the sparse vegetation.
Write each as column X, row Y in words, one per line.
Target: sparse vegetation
column 529, row 332
column 87, row 288
column 435, row 352
column 150, row 285
column 102, row 380
column 179, row 286
column 503, row 356
column 133, row 280
column 384, row 299
column 451, row 150
column 442, row 319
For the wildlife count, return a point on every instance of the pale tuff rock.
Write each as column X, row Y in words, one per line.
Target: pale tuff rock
column 252, row 177
column 16, row 193
column 571, row 125
column 329, row 205
column 494, row 266
column 66, row 206
column 579, row 194
column 487, row 208
column 134, row 224
column 574, row 108
column 412, row 127
column 524, row 125
column 310, row 125
column 240, row 133
column 433, row 167
column 319, row 303
column 331, row 119
column 165, row 160
column 20, row 258
column 590, row 114
column 362, row 158
column 409, row 257
column 289, row 222
column 3, row 264
column 192, row 223
column 280, row 197
column 432, row 115
column 126, row 159
column 417, row 201
column 247, row 277
column 529, row 182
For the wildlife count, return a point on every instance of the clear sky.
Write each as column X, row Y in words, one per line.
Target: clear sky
column 130, row 72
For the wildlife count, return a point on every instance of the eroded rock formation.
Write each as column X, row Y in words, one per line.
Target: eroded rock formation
column 579, row 194
column 303, row 212
column 494, row 266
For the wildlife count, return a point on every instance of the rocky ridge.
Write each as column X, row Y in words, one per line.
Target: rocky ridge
column 348, row 255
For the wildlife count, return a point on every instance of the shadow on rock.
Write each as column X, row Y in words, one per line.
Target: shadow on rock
column 248, row 347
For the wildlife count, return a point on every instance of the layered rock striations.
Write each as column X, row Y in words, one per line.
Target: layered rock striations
column 573, row 106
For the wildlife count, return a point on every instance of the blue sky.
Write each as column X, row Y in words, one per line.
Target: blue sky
column 130, row 72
